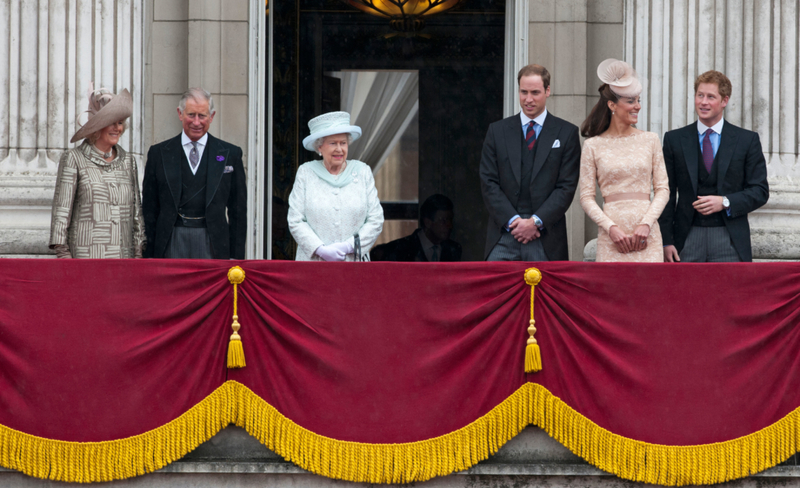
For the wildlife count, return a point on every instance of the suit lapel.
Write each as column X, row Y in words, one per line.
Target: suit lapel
column 727, row 144
column 544, row 143
column 217, row 159
column 689, row 145
column 172, row 157
column 514, row 139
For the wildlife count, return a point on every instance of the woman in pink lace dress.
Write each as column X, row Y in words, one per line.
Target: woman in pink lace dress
column 626, row 162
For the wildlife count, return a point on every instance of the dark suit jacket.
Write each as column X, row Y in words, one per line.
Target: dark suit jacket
column 742, row 177
column 409, row 248
column 553, row 182
column 225, row 192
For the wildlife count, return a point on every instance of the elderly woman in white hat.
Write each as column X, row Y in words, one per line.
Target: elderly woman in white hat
column 97, row 211
column 627, row 163
column 334, row 211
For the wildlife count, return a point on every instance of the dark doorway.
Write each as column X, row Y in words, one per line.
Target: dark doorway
column 459, row 61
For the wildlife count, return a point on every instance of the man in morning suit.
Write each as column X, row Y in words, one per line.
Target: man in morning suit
column 431, row 242
column 529, row 172
column 194, row 194
column 717, row 175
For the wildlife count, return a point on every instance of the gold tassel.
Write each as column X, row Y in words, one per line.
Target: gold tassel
column 235, row 348
column 533, row 357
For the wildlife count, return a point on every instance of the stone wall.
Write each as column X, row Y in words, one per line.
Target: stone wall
column 198, row 43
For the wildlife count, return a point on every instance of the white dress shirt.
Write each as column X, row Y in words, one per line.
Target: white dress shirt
column 427, row 246
column 187, row 148
column 538, row 123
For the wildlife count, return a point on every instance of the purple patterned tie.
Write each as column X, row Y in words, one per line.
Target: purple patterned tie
column 530, row 136
column 708, row 151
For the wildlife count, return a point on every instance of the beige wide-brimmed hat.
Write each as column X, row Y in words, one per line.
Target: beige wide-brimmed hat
column 105, row 108
column 329, row 124
column 620, row 77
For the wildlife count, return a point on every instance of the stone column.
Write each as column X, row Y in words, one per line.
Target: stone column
column 49, row 52
column 756, row 45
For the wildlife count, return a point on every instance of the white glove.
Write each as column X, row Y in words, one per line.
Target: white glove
column 330, row 253
column 345, row 247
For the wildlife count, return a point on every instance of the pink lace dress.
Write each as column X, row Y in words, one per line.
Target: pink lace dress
column 628, row 164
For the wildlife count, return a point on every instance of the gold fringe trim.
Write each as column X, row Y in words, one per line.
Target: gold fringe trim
column 85, row 462
column 661, row 464
column 384, row 463
column 401, row 463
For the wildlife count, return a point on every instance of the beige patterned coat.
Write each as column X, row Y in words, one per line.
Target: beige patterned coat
column 97, row 211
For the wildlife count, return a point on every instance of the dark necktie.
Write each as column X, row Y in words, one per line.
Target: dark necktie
column 708, row 151
column 435, row 256
column 530, row 136
column 194, row 156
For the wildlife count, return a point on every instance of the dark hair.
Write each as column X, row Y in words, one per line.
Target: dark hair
column 433, row 204
column 723, row 83
column 599, row 119
column 535, row 69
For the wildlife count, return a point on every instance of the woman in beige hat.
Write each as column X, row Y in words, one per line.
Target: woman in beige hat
column 334, row 211
column 97, row 211
column 627, row 163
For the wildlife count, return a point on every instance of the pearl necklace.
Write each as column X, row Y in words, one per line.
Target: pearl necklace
column 106, row 155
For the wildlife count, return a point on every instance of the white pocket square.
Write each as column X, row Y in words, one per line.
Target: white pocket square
column 556, row 144
column 228, row 169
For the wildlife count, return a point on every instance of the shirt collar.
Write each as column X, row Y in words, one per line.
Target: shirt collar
column 539, row 118
column 702, row 128
column 186, row 141
column 423, row 239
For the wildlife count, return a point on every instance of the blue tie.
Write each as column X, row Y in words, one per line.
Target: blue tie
column 530, row 135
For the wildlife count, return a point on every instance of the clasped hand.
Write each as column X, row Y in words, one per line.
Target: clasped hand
column 524, row 230
column 334, row 252
column 630, row 243
column 708, row 204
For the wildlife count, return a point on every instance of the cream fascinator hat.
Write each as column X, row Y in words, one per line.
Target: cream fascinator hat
column 105, row 108
column 620, row 77
column 329, row 124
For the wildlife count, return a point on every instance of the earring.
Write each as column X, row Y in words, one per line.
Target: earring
column 613, row 113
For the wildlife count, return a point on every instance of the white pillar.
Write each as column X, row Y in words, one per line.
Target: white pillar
column 49, row 52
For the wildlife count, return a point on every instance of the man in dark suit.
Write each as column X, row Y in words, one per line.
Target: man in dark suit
column 194, row 194
column 431, row 242
column 717, row 175
column 529, row 172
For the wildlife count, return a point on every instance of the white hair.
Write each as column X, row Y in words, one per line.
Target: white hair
column 198, row 94
column 318, row 142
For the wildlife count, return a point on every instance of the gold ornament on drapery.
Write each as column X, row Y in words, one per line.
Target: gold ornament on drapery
column 533, row 357
column 235, row 348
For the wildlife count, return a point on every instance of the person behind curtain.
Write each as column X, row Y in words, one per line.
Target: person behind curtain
column 431, row 242
column 96, row 211
column 626, row 162
column 334, row 207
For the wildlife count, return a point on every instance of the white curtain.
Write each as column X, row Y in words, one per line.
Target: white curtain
column 382, row 103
